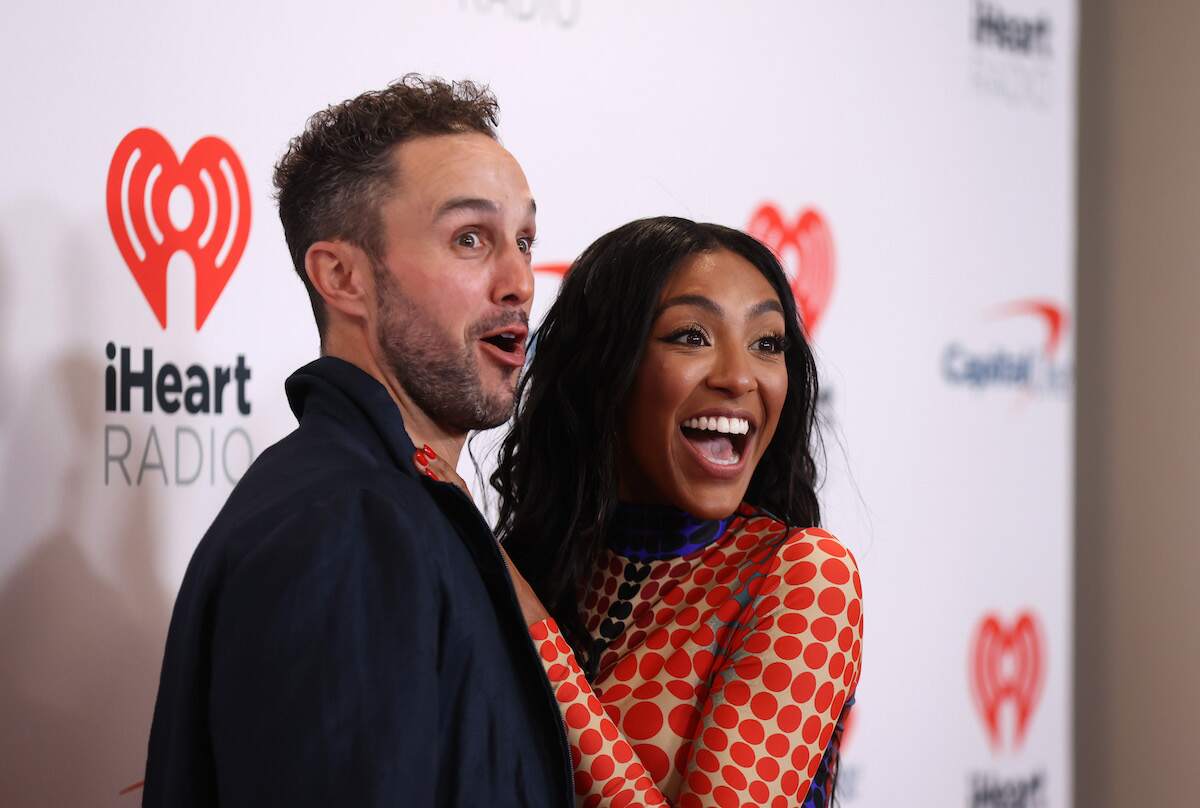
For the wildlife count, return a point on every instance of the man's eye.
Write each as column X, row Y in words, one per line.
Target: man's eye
column 468, row 240
column 525, row 244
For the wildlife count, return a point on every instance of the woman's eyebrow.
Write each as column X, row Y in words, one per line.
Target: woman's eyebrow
column 699, row 301
column 764, row 307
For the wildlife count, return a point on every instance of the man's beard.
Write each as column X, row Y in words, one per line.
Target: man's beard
column 441, row 377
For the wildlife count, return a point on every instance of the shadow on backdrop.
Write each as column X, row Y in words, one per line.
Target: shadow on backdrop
column 82, row 640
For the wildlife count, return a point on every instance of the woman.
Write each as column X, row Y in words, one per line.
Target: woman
column 653, row 487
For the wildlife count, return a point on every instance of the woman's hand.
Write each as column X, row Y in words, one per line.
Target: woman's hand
column 435, row 468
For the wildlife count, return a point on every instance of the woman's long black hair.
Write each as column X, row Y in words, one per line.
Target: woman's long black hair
column 557, row 475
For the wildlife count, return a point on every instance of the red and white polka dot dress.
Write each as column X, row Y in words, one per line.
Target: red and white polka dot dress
column 722, row 673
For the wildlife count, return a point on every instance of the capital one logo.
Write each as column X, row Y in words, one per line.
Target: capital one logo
column 159, row 205
column 1007, row 666
column 804, row 246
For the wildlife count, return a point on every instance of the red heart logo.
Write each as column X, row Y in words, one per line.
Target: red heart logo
column 805, row 248
column 143, row 175
column 1006, row 665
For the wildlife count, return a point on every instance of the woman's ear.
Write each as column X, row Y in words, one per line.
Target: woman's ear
column 341, row 274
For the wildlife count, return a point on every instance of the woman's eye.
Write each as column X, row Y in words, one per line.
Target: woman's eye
column 692, row 337
column 770, row 344
column 525, row 244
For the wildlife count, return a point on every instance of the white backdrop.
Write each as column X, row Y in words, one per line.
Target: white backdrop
column 931, row 145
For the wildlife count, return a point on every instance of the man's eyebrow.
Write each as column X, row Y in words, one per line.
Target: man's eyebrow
column 477, row 204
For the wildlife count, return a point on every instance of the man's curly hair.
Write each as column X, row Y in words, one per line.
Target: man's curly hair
column 335, row 175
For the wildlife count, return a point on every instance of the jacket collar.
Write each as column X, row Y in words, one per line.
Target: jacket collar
column 328, row 385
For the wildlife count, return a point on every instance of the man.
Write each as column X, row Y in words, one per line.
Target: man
column 347, row 633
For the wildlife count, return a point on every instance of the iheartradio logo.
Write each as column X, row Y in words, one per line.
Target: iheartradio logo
column 804, row 246
column 1007, row 667
column 158, row 205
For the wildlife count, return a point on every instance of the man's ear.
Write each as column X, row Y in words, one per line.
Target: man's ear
column 340, row 272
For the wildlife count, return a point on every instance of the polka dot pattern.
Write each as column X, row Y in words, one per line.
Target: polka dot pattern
column 724, row 674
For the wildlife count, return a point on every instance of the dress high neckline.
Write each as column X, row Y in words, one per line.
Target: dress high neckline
column 651, row 532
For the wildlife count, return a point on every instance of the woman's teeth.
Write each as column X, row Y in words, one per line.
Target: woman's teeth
column 729, row 426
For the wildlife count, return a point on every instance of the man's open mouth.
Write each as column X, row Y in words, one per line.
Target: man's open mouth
column 506, row 341
column 721, row 440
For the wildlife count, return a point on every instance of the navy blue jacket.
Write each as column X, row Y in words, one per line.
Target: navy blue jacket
column 347, row 634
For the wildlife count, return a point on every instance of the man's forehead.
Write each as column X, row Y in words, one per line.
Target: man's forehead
column 444, row 169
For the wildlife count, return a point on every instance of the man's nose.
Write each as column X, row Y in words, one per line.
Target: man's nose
column 513, row 282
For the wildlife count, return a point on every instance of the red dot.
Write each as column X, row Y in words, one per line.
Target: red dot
column 767, row 768
column 699, row 783
column 603, row 767
column 777, row 676
column 752, row 731
column 835, row 571
column 815, row 655
column 854, row 611
column 837, row 663
column 799, row 598
column 680, row 664
column 683, row 719
column 623, row 799
column 725, row 797
column 590, row 741
column 832, row 547
column 826, row 735
column 788, row 647
column 737, row 693
column 758, row 642
column 814, row 763
column 839, row 701
column 857, row 584
column 778, row 745
column 800, row 758
column 741, row 754
column 583, row 782
column 715, row 739
column 647, row 691
column 725, row 716
column 832, row 601
column 846, row 639
column 651, row 663
column 734, row 777
column 689, row 800
column 800, row 573
column 793, row 623
column 790, row 782
column 812, row 729
column 764, row 706
column 824, row 697
column 789, row 718
column 779, row 802
column 707, row 760
column 643, row 720
column 681, row 690
column 577, row 716
column 824, row 629
column 626, row 669
column 614, row 715
column 654, row 759
column 567, row 692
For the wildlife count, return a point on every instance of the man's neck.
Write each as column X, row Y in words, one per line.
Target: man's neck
column 421, row 428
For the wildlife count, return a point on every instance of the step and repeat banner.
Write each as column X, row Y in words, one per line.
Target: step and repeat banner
column 912, row 164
